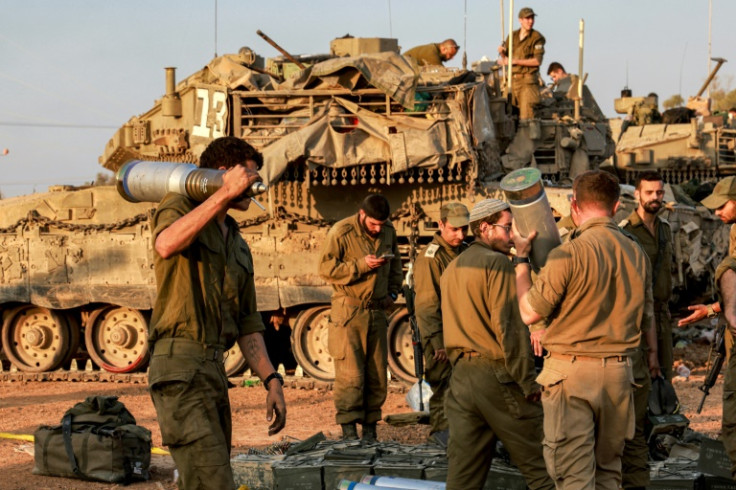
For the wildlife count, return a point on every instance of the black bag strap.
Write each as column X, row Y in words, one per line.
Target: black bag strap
column 661, row 244
column 66, row 431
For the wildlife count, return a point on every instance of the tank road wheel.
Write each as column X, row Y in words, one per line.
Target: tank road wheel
column 235, row 362
column 309, row 343
column 400, row 349
column 117, row 339
column 36, row 339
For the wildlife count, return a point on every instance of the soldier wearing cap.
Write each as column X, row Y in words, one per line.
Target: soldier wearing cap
column 492, row 393
column 428, row 267
column 595, row 322
column 723, row 201
column 528, row 51
column 360, row 259
column 434, row 54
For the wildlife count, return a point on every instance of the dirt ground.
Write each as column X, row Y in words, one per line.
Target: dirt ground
column 26, row 405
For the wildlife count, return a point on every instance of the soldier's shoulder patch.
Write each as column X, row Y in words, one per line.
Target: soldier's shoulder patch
column 431, row 250
column 623, row 223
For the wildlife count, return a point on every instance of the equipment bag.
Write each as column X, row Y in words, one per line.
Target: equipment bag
column 98, row 439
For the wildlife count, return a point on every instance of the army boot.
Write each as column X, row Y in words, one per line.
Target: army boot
column 349, row 431
column 369, row 432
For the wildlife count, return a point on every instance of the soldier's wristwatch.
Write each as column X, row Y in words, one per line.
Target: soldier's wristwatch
column 271, row 376
column 711, row 312
column 520, row 260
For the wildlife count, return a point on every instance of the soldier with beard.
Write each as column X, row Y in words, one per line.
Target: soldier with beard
column 723, row 202
column 361, row 260
column 655, row 237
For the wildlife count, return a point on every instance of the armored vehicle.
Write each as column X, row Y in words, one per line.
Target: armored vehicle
column 77, row 262
column 684, row 143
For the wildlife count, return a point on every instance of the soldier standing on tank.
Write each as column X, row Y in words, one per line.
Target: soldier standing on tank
column 428, row 267
column 723, row 201
column 492, row 393
column 594, row 326
column 206, row 301
column 528, row 46
column 434, row 54
column 361, row 260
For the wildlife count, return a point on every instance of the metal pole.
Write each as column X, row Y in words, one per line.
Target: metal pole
column 710, row 23
column 510, row 48
column 581, row 42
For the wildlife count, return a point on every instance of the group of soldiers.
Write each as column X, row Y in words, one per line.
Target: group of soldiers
column 527, row 46
column 598, row 308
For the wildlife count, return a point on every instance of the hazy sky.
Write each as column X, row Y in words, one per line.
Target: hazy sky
column 72, row 71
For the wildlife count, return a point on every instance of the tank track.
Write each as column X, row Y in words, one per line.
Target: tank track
column 293, row 382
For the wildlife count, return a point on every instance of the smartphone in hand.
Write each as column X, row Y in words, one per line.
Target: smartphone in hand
column 387, row 256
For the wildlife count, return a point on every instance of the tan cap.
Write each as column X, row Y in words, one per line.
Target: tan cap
column 724, row 191
column 455, row 213
column 526, row 12
column 486, row 208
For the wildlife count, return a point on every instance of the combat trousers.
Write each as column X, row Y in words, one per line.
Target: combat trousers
column 358, row 345
column 728, row 430
column 664, row 338
column 525, row 94
column 635, row 460
column 189, row 390
column 588, row 414
column 483, row 404
column 437, row 374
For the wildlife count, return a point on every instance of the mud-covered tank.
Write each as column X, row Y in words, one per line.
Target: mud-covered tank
column 77, row 262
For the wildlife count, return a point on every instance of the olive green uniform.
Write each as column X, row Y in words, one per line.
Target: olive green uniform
column 595, row 292
column 426, row 54
column 206, row 300
column 358, row 325
column 428, row 267
column 525, row 79
column 493, row 371
column 728, row 423
column 659, row 249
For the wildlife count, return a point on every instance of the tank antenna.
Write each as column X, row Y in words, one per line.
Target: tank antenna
column 390, row 26
column 215, row 28
column 710, row 23
column 465, row 37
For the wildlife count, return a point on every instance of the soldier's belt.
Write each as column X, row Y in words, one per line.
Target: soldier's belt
column 186, row 347
column 577, row 357
column 373, row 304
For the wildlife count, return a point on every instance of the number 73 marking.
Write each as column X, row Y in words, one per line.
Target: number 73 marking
column 219, row 114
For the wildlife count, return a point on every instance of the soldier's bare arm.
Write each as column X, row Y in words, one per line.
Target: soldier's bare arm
column 253, row 348
column 182, row 232
column 727, row 286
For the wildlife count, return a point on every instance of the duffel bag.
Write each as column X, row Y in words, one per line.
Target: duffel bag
column 97, row 447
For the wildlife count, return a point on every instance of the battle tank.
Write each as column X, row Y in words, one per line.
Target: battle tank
column 77, row 262
column 685, row 143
